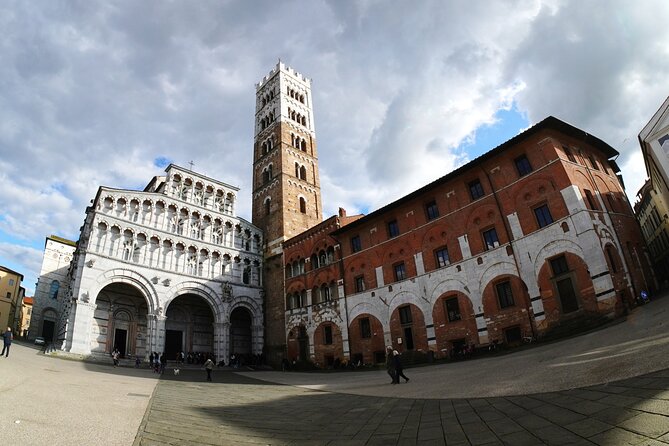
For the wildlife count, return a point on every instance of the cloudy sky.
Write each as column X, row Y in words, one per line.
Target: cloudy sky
column 103, row 93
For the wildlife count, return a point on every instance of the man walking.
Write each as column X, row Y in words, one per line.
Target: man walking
column 7, row 338
column 209, row 366
column 390, row 365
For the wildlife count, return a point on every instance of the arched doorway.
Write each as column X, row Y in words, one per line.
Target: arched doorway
column 48, row 325
column 189, row 327
column 240, row 332
column 120, row 321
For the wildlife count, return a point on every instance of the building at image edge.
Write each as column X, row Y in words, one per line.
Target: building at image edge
column 532, row 237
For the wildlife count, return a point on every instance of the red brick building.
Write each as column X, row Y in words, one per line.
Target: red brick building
column 531, row 235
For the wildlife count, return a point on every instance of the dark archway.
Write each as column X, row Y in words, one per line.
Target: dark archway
column 189, row 327
column 120, row 321
column 241, row 334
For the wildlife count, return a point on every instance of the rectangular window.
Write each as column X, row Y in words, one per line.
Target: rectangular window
column 359, row 284
column 365, row 328
column 592, row 204
column 559, row 265
column 523, row 165
column 570, row 156
column 441, row 256
column 543, row 214
column 393, row 229
column 476, row 189
column 490, row 239
column 504, row 294
column 400, row 272
column 452, row 309
column 11, row 282
column 327, row 331
column 405, row 315
column 9, row 295
column 432, row 210
column 356, row 245
column 593, row 162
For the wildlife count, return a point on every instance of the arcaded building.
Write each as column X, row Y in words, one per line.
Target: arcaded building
column 534, row 234
column 170, row 268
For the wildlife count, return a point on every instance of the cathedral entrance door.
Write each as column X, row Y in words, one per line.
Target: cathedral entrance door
column 173, row 343
column 120, row 339
column 47, row 330
column 240, row 332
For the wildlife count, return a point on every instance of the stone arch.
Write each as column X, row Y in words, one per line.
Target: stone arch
column 48, row 321
column 130, row 277
column 198, row 289
column 495, row 270
column 500, row 320
column 368, row 308
column 554, row 248
column 413, row 333
column 454, row 326
column 448, row 285
column 327, row 341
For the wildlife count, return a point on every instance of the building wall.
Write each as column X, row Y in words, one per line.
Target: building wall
column 591, row 231
column 10, row 297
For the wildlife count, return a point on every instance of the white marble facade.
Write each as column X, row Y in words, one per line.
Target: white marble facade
column 167, row 269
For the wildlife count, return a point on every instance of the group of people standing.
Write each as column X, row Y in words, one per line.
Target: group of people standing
column 157, row 362
column 394, row 366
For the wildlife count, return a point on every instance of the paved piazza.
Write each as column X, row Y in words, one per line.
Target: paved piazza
column 608, row 387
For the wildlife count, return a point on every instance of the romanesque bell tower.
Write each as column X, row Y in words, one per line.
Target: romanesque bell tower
column 286, row 186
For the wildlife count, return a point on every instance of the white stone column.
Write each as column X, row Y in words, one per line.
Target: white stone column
column 81, row 316
column 222, row 341
column 158, row 333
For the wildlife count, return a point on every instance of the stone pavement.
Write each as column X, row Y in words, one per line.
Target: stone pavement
column 237, row 409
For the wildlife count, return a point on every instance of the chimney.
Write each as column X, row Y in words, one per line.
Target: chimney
column 342, row 212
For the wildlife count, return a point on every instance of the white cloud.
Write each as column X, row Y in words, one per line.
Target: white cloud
column 93, row 92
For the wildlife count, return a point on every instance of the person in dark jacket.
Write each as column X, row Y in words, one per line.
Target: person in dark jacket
column 390, row 365
column 397, row 361
column 7, row 338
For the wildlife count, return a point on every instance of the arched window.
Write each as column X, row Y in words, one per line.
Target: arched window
column 303, row 173
column 289, row 270
column 304, row 121
column 303, row 145
column 300, row 266
column 325, row 293
column 53, row 291
column 314, row 261
column 267, row 203
column 315, row 296
column 297, row 170
column 303, row 205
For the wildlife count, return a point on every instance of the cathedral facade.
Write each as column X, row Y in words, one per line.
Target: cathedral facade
column 167, row 269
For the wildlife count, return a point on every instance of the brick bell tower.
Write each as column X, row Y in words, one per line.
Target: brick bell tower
column 286, row 186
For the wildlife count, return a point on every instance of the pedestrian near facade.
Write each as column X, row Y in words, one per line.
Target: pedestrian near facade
column 390, row 365
column 115, row 355
column 209, row 366
column 397, row 361
column 7, row 338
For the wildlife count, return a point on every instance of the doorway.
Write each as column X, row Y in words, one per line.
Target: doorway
column 240, row 332
column 120, row 340
column 47, row 330
column 173, row 343
column 303, row 340
column 567, row 295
